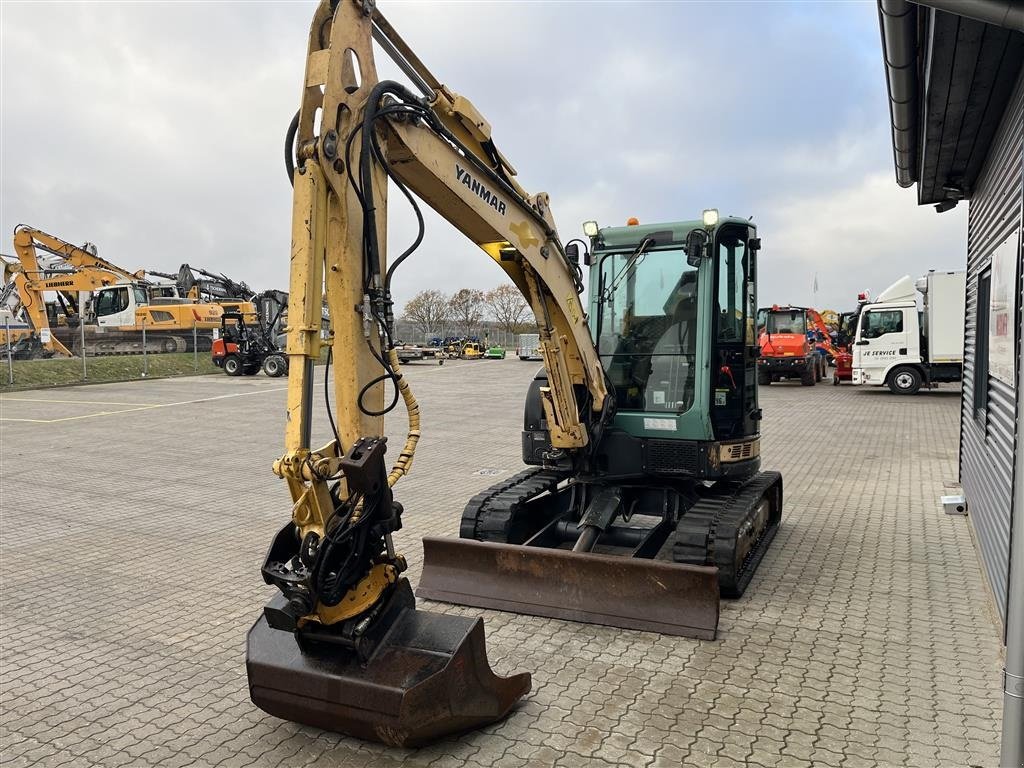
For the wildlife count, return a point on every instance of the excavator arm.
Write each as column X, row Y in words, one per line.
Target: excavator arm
column 352, row 134
column 28, row 240
column 818, row 323
column 450, row 161
column 87, row 272
column 334, row 562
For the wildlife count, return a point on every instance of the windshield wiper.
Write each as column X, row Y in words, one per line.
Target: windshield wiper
column 631, row 262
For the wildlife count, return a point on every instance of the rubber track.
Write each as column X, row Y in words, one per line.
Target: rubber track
column 488, row 515
column 707, row 533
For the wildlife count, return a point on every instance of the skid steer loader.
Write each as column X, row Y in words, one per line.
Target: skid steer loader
column 641, row 433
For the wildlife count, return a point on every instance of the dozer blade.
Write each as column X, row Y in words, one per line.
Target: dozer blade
column 429, row 678
column 632, row 593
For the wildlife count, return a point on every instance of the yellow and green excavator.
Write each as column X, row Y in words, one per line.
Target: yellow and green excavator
column 643, row 500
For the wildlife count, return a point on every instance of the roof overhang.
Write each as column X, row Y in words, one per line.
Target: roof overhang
column 949, row 78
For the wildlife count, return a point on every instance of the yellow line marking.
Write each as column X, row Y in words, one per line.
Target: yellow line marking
column 85, row 416
column 83, row 402
column 150, row 407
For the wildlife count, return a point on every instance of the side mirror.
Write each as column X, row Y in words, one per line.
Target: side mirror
column 695, row 242
column 572, row 253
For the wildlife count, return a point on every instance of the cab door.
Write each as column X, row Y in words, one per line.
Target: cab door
column 881, row 338
column 114, row 306
column 734, row 410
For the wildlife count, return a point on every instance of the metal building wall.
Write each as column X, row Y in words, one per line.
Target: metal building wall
column 987, row 443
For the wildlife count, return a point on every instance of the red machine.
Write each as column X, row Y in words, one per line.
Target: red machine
column 791, row 345
column 243, row 350
column 844, row 366
column 843, row 338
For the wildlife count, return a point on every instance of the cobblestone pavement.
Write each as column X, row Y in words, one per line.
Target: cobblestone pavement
column 135, row 517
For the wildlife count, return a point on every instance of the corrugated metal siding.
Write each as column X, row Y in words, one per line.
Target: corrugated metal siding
column 987, row 443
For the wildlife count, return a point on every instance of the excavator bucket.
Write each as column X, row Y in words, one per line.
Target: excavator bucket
column 428, row 678
column 633, row 593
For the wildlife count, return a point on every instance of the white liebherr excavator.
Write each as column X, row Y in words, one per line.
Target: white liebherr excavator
column 118, row 307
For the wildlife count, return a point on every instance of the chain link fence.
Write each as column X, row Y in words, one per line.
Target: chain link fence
column 31, row 363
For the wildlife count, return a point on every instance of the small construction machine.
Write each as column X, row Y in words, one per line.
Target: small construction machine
column 494, row 352
column 643, row 442
column 113, row 304
column 243, row 349
column 794, row 344
column 472, row 350
column 846, row 329
column 463, row 349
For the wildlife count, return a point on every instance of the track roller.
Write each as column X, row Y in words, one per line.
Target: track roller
column 731, row 528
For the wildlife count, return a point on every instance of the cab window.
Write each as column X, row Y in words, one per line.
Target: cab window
column 877, row 324
column 111, row 301
column 784, row 321
column 647, row 329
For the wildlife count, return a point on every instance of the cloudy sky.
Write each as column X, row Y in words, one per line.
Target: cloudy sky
column 155, row 130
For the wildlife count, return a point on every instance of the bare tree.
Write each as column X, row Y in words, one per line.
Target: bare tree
column 467, row 309
column 508, row 307
column 430, row 311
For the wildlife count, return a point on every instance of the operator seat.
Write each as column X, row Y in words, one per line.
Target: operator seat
column 670, row 387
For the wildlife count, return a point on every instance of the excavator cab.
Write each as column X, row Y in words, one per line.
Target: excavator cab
column 676, row 342
column 668, row 510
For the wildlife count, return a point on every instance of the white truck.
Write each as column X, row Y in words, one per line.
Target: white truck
column 906, row 348
column 528, row 346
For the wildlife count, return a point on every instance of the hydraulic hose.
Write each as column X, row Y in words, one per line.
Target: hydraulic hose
column 289, row 148
column 404, row 461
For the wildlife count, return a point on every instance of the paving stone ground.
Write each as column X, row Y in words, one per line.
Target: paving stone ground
column 135, row 517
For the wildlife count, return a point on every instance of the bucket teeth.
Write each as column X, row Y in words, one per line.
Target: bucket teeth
column 429, row 678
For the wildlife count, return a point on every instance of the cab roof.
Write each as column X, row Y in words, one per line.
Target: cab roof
column 624, row 237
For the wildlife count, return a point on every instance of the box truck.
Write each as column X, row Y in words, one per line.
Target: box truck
column 528, row 346
column 905, row 348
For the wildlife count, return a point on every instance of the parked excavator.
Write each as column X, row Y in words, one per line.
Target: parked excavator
column 201, row 285
column 643, row 443
column 116, row 306
column 265, row 309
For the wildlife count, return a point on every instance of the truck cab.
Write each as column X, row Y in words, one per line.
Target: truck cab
column 900, row 347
